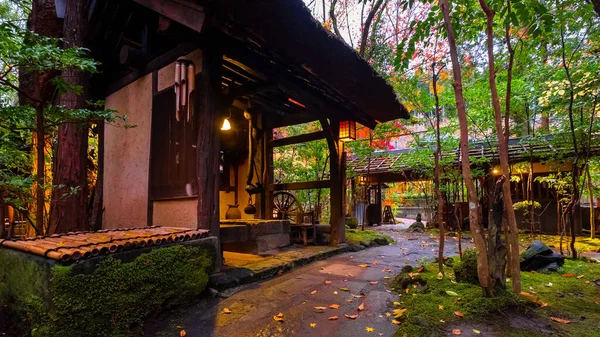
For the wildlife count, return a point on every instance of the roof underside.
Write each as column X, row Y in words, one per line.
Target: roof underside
column 275, row 56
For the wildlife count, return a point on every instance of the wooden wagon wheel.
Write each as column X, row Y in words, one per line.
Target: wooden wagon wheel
column 286, row 206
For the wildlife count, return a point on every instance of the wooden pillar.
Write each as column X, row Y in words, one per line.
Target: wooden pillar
column 207, row 146
column 338, row 234
column 268, row 171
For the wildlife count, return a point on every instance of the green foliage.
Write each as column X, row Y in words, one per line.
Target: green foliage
column 114, row 297
column 525, row 205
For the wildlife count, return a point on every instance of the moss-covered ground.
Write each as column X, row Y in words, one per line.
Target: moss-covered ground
column 582, row 243
column 432, row 311
column 355, row 236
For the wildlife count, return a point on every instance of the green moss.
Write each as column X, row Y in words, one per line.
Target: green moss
column 466, row 269
column 568, row 297
column 112, row 298
column 582, row 243
column 367, row 236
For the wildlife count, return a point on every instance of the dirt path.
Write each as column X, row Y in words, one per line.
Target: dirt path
column 252, row 309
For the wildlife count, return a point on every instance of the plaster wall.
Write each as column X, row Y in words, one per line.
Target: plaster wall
column 126, row 158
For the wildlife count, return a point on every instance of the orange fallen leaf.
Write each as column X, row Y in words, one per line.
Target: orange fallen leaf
column 361, row 307
column 375, row 262
column 332, row 318
column 441, row 307
column 320, row 308
column 182, row 333
column 442, row 321
column 560, row 320
column 395, row 322
column 368, row 329
column 406, row 290
column 533, row 299
column 456, row 332
column 351, row 316
column 334, row 306
column 226, row 311
column 387, row 314
column 350, row 301
column 278, row 318
column 421, row 269
column 327, row 282
column 374, row 282
column 587, row 282
column 363, row 265
column 568, row 275
column 313, row 325
column 313, row 292
column 580, row 276
column 458, row 313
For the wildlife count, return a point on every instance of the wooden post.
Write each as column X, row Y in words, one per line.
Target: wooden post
column 268, row 171
column 207, row 146
column 338, row 234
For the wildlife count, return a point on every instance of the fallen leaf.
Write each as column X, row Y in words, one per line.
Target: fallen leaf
column 313, row 325
column 374, row 282
column 182, row 333
column 361, row 307
column 441, row 307
column 533, row 299
column 333, row 318
column 358, row 296
column 451, row 293
column 440, row 276
column 387, row 314
column 320, row 308
column 350, row 301
column 580, row 276
column 397, row 304
column 456, row 332
column 395, row 322
column 303, row 302
column 477, row 332
column 327, row 282
column 421, row 269
column 458, row 313
column 406, row 290
column 560, row 320
column 364, row 265
column 568, row 275
column 375, row 262
column 587, row 282
column 345, row 289
column 398, row 312
column 313, row 292
column 335, row 292
column 350, row 316
column 548, row 285
column 442, row 321
column 334, row 306
column 278, row 319
column 226, row 311
column 280, row 315
column 368, row 329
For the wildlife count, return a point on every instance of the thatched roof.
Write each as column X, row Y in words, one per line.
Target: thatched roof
column 288, row 28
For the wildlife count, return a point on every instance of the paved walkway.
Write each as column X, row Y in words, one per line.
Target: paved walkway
column 296, row 293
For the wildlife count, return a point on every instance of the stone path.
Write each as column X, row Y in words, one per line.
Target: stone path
column 293, row 294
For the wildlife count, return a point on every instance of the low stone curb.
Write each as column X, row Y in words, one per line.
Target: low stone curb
column 235, row 277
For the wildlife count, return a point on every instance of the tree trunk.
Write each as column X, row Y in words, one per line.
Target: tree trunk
column 438, row 193
column 591, row 192
column 366, row 29
column 97, row 204
column 513, row 238
column 69, row 198
column 496, row 248
column 478, row 236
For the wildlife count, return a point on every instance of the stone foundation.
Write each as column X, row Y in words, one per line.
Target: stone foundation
column 254, row 236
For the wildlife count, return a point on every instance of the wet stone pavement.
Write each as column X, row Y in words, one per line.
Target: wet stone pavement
column 319, row 284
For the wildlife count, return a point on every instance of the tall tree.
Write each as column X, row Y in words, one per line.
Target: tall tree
column 69, row 199
column 474, row 221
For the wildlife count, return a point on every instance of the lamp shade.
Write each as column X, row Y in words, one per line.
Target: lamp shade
column 347, row 131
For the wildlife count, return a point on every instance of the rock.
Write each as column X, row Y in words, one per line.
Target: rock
column 362, row 247
column 540, row 257
column 365, row 243
column 407, row 269
column 213, row 292
column 381, row 241
column 354, row 248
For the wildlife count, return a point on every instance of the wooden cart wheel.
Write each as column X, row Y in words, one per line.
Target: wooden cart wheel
column 286, row 206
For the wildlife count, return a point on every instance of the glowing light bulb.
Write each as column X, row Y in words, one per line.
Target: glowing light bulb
column 226, row 124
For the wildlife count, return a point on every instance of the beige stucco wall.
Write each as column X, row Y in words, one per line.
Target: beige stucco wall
column 127, row 154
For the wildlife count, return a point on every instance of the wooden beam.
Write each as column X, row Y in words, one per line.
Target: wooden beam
column 295, row 119
column 187, row 13
column 299, row 139
column 307, row 185
column 156, row 64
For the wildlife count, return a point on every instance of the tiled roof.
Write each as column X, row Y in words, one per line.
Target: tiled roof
column 74, row 246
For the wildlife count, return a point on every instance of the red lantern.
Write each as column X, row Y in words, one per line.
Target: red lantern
column 347, row 131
